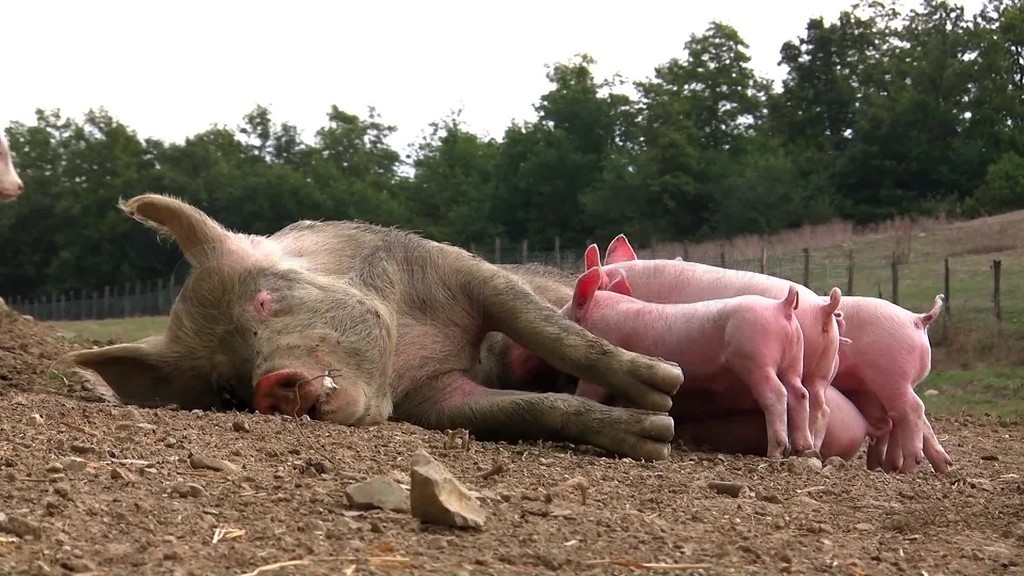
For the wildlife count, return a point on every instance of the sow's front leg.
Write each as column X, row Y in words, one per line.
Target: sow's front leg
column 510, row 307
column 512, row 415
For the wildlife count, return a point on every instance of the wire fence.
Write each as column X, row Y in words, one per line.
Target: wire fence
column 972, row 285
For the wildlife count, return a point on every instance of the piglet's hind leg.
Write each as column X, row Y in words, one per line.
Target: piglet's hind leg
column 455, row 401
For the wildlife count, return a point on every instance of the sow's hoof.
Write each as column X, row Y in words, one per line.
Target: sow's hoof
column 636, row 434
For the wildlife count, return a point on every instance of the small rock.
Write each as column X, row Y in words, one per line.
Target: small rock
column 990, row 457
column 81, row 448
column 437, row 542
column 378, row 492
column 34, row 420
column 205, row 462
column 836, row 462
column 20, row 527
column 437, row 497
column 314, row 525
column 376, row 527
column 805, row 501
column 770, row 498
column 62, row 490
column 77, row 565
column 119, row 474
column 72, row 464
column 734, row 489
column 149, row 472
column 864, row 527
column 57, row 477
column 187, row 490
column 54, row 468
column 802, row 464
column 240, row 425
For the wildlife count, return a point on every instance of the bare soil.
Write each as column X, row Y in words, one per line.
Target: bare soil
column 130, row 509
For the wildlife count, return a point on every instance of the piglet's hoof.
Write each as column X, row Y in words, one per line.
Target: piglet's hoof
column 812, row 453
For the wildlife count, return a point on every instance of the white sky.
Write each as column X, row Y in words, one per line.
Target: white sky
column 171, row 69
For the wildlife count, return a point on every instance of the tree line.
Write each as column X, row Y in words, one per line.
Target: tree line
column 881, row 113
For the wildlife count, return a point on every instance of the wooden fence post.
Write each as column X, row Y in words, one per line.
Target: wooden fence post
column 525, row 257
column 721, row 257
column 849, row 273
column 497, row 250
column 686, row 251
column 895, row 279
column 807, row 267
column 764, row 260
column 558, row 252
column 997, row 304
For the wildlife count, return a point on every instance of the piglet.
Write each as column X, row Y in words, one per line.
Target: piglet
column 732, row 348
column 11, row 185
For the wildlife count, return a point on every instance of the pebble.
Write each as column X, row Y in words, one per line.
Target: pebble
column 82, row 448
column 34, row 420
column 187, row 490
column 802, row 464
column 240, row 425
column 864, row 527
column 734, row 489
column 20, row 527
column 378, row 492
column 119, row 474
column 54, row 468
column 72, row 464
column 205, row 462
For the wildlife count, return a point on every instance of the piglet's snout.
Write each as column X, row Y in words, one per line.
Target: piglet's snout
column 290, row 392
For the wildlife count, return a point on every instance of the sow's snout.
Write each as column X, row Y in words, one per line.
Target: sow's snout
column 290, row 392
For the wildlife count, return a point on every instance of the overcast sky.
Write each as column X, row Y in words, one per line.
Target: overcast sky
column 171, row 69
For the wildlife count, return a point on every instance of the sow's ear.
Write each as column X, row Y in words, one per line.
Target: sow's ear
column 141, row 374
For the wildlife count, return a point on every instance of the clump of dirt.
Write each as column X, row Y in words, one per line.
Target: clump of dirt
column 28, row 351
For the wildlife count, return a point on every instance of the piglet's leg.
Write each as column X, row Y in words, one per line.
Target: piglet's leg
column 771, row 396
column 455, row 401
column 933, row 450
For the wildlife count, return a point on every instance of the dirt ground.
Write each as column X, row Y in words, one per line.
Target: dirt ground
column 128, row 509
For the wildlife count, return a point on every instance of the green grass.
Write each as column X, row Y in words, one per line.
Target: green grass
column 121, row 329
column 994, row 391
column 998, row 391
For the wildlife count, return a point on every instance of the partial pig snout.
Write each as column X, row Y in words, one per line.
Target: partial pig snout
column 289, row 392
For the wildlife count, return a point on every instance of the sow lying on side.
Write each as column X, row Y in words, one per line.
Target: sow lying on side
column 889, row 353
column 11, row 185
column 356, row 324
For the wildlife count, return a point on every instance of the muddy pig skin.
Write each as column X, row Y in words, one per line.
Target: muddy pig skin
column 744, row 349
column 673, row 281
column 357, row 324
column 11, row 185
column 886, row 351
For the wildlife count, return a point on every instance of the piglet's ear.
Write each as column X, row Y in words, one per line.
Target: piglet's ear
column 620, row 285
column 619, row 250
column 586, row 285
column 592, row 257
